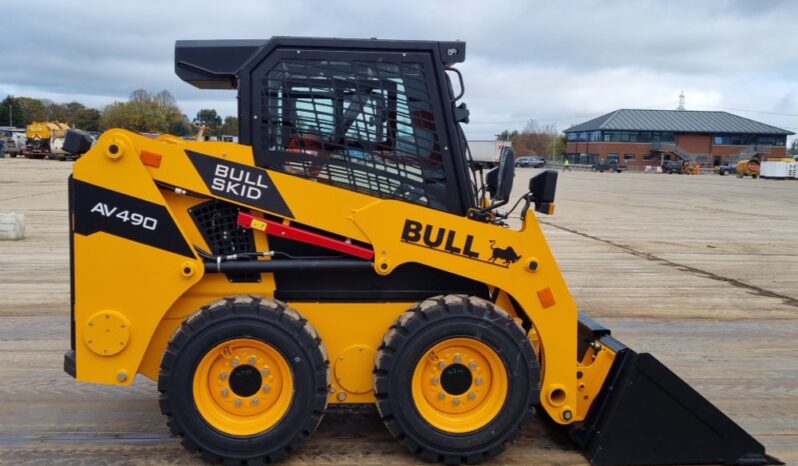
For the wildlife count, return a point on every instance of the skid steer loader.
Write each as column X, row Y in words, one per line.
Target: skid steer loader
column 346, row 252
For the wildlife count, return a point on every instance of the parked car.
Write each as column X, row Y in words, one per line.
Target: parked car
column 12, row 148
column 675, row 166
column 727, row 169
column 534, row 161
column 608, row 166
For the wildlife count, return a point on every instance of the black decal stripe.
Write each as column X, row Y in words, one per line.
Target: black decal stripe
column 165, row 235
column 257, row 181
column 412, row 243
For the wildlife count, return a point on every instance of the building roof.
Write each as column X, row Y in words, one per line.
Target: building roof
column 677, row 121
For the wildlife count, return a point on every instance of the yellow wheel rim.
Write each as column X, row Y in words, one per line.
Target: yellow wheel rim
column 243, row 386
column 460, row 385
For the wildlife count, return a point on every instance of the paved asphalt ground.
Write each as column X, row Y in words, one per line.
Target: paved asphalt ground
column 701, row 271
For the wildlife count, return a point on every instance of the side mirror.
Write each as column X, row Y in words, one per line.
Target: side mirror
column 543, row 187
column 499, row 181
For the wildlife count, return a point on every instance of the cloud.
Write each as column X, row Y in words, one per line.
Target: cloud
column 558, row 62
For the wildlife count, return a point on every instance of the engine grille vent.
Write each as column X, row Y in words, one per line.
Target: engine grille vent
column 218, row 223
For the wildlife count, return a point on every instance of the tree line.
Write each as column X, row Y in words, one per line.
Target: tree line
column 535, row 139
column 143, row 112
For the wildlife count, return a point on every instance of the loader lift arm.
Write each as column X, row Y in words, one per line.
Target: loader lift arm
column 349, row 200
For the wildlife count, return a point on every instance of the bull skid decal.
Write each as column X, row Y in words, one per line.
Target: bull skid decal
column 449, row 241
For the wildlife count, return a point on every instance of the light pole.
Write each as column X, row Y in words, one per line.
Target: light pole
column 554, row 145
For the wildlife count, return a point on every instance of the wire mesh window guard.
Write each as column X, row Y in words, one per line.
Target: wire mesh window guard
column 368, row 126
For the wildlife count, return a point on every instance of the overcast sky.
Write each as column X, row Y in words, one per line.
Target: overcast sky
column 557, row 62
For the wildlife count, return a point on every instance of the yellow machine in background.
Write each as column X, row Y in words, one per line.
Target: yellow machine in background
column 43, row 138
column 748, row 167
column 347, row 252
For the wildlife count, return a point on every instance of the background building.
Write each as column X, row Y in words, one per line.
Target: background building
column 646, row 137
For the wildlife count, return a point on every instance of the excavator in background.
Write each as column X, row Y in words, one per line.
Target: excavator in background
column 346, row 252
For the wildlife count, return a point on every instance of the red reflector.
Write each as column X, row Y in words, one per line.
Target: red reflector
column 546, row 297
column 150, row 158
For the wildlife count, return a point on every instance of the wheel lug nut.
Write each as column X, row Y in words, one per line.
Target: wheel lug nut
column 265, row 372
column 234, row 362
column 472, row 366
column 441, row 395
column 225, row 392
column 472, row 395
column 456, row 401
column 254, row 401
column 252, row 361
column 238, row 403
column 223, row 375
column 441, row 365
column 435, row 381
column 478, row 381
column 267, row 388
column 457, row 358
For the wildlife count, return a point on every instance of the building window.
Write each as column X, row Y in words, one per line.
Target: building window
column 647, row 156
column 585, row 136
column 637, row 136
column 612, row 156
column 628, row 156
column 749, row 139
column 588, row 159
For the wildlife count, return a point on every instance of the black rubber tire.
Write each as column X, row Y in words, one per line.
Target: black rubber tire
column 245, row 317
column 411, row 336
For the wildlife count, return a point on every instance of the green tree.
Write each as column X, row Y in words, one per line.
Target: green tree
column 506, row 135
column 32, row 109
column 173, row 116
column 793, row 150
column 71, row 110
column 11, row 112
column 145, row 113
column 562, row 143
column 537, row 139
column 55, row 112
column 230, row 126
column 209, row 118
column 87, row 119
column 181, row 126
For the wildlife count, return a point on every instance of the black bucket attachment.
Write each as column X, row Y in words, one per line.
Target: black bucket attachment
column 646, row 414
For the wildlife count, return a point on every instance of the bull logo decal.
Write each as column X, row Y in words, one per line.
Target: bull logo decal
column 508, row 254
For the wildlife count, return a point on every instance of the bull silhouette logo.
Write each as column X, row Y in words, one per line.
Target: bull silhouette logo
column 508, row 254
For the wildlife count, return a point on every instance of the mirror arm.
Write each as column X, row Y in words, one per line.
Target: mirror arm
column 493, row 205
column 528, row 198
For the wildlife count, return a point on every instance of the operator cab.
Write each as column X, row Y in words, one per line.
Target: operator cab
column 375, row 116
